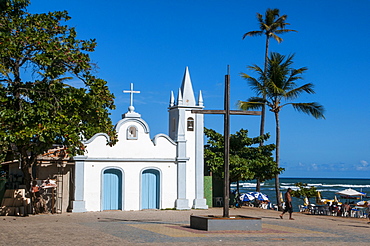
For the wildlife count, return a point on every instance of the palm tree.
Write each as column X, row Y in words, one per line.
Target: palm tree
column 271, row 25
column 276, row 88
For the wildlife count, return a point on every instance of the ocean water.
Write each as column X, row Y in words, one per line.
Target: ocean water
column 327, row 187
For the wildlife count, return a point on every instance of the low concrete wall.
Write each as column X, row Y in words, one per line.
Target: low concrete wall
column 234, row 223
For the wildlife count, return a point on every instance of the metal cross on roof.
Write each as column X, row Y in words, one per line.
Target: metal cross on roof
column 131, row 91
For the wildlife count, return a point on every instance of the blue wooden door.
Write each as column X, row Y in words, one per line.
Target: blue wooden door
column 112, row 189
column 150, row 189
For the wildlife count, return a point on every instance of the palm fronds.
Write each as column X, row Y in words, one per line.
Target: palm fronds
column 271, row 25
column 279, row 84
column 252, row 103
column 314, row 109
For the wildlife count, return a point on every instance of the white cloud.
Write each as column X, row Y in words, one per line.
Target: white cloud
column 364, row 163
column 314, row 166
column 362, row 166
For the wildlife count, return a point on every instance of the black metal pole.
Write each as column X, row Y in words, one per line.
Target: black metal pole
column 227, row 144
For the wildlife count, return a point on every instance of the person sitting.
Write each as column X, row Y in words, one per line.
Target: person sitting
column 35, row 189
column 346, row 210
column 38, row 201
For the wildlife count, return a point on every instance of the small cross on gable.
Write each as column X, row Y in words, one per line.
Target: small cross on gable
column 131, row 91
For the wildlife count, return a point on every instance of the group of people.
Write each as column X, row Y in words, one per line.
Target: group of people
column 334, row 208
column 345, row 209
column 39, row 203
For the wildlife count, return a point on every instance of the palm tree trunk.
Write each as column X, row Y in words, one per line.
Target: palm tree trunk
column 263, row 110
column 266, row 53
column 277, row 156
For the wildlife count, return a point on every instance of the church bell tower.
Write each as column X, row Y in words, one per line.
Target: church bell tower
column 187, row 130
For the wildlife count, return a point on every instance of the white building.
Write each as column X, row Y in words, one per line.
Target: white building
column 142, row 173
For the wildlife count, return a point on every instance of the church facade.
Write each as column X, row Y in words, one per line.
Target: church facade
column 140, row 172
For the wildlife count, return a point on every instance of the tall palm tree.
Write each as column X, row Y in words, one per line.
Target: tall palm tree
column 271, row 25
column 276, row 89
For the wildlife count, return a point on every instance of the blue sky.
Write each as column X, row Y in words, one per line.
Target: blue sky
column 149, row 43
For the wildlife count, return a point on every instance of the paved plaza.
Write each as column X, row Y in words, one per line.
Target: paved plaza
column 171, row 227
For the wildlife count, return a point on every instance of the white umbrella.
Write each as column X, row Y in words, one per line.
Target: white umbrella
column 350, row 192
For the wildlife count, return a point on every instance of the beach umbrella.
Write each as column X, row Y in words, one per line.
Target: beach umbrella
column 281, row 197
column 318, row 198
column 350, row 192
column 306, row 201
column 335, row 199
column 361, row 203
column 246, row 197
column 262, row 197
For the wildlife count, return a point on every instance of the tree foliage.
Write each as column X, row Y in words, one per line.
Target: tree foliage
column 40, row 61
column 304, row 191
column 246, row 162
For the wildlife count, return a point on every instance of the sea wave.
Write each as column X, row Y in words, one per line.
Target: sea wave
column 285, row 187
column 246, row 185
column 347, row 185
column 319, row 186
column 315, row 185
column 285, row 184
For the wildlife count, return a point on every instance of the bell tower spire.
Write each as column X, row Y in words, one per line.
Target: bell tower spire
column 188, row 98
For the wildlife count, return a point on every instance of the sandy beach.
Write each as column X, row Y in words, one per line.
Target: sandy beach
column 171, row 227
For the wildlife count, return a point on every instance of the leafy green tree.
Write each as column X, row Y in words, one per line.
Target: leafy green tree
column 304, row 191
column 246, row 162
column 271, row 25
column 276, row 90
column 40, row 60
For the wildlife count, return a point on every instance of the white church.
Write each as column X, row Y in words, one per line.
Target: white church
column 140, row 172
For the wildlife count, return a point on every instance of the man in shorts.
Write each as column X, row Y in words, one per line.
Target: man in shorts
column 288, row 204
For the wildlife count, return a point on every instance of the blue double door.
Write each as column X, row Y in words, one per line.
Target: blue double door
column 150, row 189
column 112, row 189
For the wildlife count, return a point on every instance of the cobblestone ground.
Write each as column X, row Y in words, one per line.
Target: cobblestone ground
column 170, row 227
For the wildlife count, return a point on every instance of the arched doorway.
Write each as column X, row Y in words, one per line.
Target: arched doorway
column 112, row 189
column 150, row 189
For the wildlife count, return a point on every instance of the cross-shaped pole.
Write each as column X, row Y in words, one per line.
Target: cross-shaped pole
column 131, row 91
column 227, row 112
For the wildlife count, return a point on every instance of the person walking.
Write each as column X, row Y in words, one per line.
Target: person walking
column 288, row 204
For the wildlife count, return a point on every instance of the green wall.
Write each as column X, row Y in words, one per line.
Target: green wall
column 208, row 191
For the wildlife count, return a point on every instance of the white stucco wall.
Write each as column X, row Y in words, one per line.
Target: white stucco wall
column 143, row 147
column 132, row 157
column 131, row 182
column 190, row 166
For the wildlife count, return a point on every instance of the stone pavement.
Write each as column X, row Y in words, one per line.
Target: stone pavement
column 170, row 227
